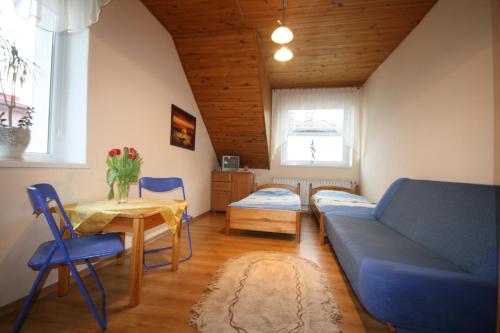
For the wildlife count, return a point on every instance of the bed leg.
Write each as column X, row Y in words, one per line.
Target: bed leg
column 321, row 229
column 228, row 221
column 297, row 227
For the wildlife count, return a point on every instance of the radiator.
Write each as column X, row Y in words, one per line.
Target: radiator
column 304, row 185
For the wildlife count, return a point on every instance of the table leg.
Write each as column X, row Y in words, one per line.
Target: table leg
column 136, row 257
column 63, row 280
column 120, row 257
column 176, row 248
column 63, row 270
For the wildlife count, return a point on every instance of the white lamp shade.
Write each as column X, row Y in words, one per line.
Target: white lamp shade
column 283, row 54
column 282, row 35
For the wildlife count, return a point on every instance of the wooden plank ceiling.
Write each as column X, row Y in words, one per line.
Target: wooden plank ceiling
column 227, row 54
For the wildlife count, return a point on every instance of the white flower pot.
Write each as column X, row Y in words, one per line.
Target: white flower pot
column 13, row 142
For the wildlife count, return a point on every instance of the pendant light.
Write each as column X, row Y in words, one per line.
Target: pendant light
column 283, row 54
column 283, row 35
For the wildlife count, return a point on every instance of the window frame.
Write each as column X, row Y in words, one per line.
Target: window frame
column 346, row 151
column 63, row 130
column 36, row 156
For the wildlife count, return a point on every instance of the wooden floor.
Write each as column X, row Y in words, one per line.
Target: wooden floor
column 167, row 296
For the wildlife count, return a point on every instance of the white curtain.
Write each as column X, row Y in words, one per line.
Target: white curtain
column 314, row 99
column 62, row 15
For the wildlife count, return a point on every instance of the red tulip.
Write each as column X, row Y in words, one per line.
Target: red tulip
column 132, row 151
column 114, row 152
column 131, row 157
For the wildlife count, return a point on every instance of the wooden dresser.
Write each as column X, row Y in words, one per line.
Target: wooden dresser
column 228, row 187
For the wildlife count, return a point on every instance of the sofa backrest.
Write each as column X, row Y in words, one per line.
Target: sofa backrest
column 455, row 221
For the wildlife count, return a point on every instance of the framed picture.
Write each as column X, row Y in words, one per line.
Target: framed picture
column 182, row 128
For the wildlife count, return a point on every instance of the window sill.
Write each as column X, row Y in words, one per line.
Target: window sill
column 29, row 162
column 307, row 165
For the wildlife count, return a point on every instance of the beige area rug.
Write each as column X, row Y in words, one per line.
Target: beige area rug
column 267, row 292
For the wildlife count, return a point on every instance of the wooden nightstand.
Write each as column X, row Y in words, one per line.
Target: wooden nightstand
column 228, row 187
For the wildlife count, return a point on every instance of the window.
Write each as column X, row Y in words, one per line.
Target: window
column 314, row 137
column 315, row 127
column 36, row 45
column 57, row 88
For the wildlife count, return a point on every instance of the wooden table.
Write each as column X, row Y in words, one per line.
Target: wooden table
column 136, row 224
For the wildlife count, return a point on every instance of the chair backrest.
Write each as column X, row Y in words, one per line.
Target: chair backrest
column 40, row 196
column 161, row 185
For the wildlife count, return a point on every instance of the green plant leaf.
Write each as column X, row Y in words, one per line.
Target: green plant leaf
column 112, row 177
column 111, row 193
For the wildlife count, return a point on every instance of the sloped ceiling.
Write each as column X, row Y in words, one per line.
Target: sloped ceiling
column 227, row 54
column 336, row 42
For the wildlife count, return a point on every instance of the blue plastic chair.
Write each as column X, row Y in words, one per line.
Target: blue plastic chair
column 166, row 185
column 66, row 251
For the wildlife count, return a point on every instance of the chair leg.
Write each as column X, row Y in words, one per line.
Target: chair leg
column 166, row 263
column 29, row 300
column 101, row 321
column 101, row 291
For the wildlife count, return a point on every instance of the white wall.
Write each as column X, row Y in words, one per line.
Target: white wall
column 134, row 77
column 428, row 109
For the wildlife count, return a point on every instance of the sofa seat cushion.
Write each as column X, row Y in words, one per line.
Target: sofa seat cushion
column 423, row 299
column 401, row 282
column 356, row 239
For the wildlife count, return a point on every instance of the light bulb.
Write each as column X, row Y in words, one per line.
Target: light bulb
column 283, row 54
column 282, row 35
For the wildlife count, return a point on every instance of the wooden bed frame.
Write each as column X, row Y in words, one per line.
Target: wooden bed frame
column 320, row 217
column 280, row 221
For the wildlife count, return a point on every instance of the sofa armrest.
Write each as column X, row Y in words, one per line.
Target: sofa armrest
column 427, row 299
column 387, row 197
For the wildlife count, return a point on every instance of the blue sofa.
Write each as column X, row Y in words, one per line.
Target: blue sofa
column 425, row 258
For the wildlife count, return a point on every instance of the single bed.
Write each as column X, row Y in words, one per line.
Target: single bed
column 271, row 208
column 337, row 200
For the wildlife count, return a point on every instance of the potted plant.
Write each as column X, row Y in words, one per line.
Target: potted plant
column 123, row 167
column 14, row 70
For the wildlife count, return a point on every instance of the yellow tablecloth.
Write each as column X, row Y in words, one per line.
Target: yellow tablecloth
column 90, row 218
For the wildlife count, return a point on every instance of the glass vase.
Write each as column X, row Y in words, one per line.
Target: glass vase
column 123, row 188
